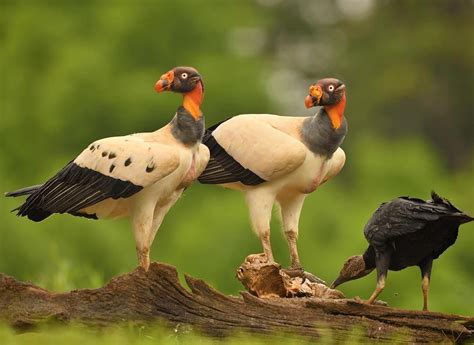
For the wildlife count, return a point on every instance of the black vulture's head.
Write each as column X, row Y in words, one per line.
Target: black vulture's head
column 354, row 268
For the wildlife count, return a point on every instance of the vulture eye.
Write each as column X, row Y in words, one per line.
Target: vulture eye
column 331, row 88
column 184, row 75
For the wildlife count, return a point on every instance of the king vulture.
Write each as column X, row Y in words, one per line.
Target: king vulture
column 279, row 159
column 139, row 176
column 405, row 232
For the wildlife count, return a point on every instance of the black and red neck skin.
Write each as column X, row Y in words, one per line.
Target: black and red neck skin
column 324, row 132
column 192, row 100
column 336, row 112
column 188, row 124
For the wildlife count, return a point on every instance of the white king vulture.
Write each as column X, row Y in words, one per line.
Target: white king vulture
column 405, row 232
column 139, row 176
column 279, row 159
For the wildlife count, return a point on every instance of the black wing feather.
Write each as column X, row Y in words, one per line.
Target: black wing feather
column 222, row 167
column 24, row 191
column 72, row 189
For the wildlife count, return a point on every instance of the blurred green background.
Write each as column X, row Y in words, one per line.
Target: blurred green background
column 72, row 73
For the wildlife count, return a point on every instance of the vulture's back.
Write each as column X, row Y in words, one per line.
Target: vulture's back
column 414, row 229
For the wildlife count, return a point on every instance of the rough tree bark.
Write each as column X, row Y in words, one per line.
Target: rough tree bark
column 157, row 295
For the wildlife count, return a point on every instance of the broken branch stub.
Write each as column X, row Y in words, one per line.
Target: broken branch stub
column 265, row 280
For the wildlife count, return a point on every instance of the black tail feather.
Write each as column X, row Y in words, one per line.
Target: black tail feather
column 460, row 215
column 440, row 200
column 464, row 218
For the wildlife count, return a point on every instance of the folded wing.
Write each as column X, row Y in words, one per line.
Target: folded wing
column 114, row 168
column 252, row 151
column 402, row 216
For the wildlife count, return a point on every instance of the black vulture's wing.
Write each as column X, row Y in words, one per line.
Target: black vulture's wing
column 402, row 216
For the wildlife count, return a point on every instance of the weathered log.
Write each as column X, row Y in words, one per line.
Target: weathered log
column 144, row 297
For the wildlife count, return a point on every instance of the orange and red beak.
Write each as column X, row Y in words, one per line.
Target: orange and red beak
column 165, row 82
column 315, row 94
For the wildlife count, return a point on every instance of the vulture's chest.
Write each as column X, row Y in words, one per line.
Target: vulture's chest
column 309, row 175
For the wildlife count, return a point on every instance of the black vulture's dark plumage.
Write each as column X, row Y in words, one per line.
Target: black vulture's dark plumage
column 405, row 232
column 413, row 229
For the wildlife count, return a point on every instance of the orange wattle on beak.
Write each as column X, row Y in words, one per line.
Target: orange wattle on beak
column 315, row 94
column 164, row 84
column 309, row 101
column 161, row 85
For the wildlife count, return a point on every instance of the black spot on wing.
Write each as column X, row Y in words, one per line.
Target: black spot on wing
column 150, row 167
column 73, row 189
column 105, row 153
column 112, row 167
column 223, row 168
column 128, row 162
column 112, row 155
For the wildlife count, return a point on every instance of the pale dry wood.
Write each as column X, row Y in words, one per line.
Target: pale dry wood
column 267, row 280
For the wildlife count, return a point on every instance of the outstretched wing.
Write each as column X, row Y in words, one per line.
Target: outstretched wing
column 403, row 216
column 248, row 149
column 114, row 168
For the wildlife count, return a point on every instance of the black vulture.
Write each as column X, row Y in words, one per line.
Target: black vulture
column 405, row 232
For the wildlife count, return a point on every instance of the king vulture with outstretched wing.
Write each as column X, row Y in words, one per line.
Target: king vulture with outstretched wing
column 139, row 176
column 279, row 159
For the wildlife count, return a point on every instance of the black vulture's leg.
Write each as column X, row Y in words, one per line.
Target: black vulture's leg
column 382, row 262
column 425, row 268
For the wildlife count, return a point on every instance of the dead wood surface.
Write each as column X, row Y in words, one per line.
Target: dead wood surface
column 143, row 297
column 266, row 280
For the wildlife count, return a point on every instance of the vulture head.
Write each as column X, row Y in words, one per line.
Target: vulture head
column 354, row 268
column 180, row 79
column 325, row 92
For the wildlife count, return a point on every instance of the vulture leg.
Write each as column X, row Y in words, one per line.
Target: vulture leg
column 260, row 203
column 425, row 268
column 290, row 209
column 142, row 230
column 160, row 213
column 382, row 262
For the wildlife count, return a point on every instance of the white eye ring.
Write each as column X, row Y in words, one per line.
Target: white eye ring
column 184, row 75
column 331, row 88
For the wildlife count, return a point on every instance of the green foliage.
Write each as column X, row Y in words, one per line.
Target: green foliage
column 73, row 73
